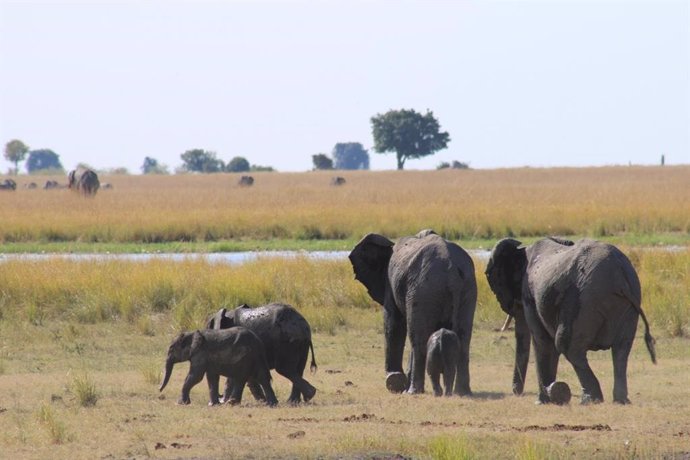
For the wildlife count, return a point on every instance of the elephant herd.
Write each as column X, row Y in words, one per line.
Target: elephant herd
column 82, row 180
column 566, row 298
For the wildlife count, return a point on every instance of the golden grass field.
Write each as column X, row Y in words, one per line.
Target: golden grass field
column 460, row 204
column 82, row 344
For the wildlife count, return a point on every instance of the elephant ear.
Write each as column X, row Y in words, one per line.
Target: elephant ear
column 369, row 260
column 216, row 321
column 198, row 341
column 504, row 272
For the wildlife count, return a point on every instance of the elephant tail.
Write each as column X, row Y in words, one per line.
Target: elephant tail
column 312, row 366
column 648, row 339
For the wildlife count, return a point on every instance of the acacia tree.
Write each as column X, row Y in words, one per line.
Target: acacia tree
column 199, row 160
column 321, row 161
column 152, row 166
column 15, row 151
column 238, row 164
column 43, row 159
column 350, row 155
column 409, row 134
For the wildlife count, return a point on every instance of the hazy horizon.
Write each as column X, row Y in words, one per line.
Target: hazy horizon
column 523, row 83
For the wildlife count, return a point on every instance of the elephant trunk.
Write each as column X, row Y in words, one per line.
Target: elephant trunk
column 169, row 363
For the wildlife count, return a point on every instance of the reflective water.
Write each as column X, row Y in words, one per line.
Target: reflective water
column 220, row 257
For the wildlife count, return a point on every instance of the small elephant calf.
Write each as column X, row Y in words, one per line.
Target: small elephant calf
column 236, row 352
column 442, row 356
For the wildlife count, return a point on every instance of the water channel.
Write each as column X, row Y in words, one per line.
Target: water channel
column 232, row 258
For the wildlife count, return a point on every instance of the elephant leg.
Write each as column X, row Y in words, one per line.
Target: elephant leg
column 522, row 346
column 212, row 380
column 462, row 372
column 256, row 391
column 448, row 379
column 271, row 399
column 193, row 377
column 395, row 330
column 591, row 390
column 236, row 391
column 228, row 390
column 620, row 351
column 418, row 366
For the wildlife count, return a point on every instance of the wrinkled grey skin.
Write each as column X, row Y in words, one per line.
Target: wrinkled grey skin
column 569, row 298
column 286, row 336
column 424, row 283
column 442, row 356
column 84, row 181
column 236, row 352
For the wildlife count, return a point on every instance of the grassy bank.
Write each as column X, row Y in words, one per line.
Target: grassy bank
column 637, row 203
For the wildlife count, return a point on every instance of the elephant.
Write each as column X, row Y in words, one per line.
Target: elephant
column 83, row 180
column 423, row 283
column 568, row 298
column 442, row 355
column 286, row 336
column 338, row 180
column 8, row 184
column 235, row 352
column 246, row 181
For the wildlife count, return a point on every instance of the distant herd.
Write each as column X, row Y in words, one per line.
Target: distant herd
column 85, row 181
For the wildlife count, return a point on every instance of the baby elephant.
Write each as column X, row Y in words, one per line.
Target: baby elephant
column 236, row 352
column 442, row 356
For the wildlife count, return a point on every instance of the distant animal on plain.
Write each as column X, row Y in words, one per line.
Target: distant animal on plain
column 107, row 186
column 246, row 181
column 30, row 186
column 8, row 184
column 338, row 180
column 83, row 180
column 53, row 184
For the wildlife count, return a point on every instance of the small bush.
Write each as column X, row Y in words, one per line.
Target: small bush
column 56, row 429
column 84, row 388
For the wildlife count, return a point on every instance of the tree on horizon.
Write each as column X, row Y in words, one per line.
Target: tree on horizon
column 409, row 134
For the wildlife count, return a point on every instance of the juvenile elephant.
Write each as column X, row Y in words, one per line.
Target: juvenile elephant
column 442, row 355
column 236, row 352
column 569, row 298
column 424, row 283
column 286, row 336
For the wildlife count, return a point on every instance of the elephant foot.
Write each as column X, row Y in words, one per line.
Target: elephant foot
column 559, row 393
column 309, row 393
column 212, row 403
column 231, row 402
column 622, row 401
column 183, row 402
column 396, row 382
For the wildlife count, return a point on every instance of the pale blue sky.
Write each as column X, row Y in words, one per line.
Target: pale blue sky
column 515, row 83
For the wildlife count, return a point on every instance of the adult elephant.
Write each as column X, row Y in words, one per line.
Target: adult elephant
column 286, row 336
column 83, row 180
column 424, row 283
column 569, row 298
column 8, row 184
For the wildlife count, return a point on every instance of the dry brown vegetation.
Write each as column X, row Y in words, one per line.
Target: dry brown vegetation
column 462, row 204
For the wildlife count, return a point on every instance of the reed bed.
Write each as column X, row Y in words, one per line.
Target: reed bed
column 460, row 204
column 188, row 292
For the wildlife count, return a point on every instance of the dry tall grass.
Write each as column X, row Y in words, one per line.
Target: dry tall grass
column 458, row 204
